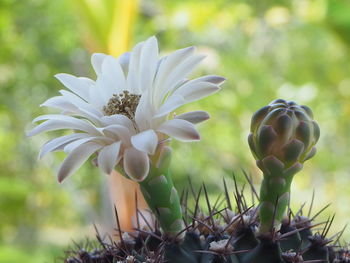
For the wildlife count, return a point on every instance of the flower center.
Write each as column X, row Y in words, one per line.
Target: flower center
column 124, row 103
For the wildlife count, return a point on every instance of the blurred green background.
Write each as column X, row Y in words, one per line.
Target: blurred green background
column 267, row 49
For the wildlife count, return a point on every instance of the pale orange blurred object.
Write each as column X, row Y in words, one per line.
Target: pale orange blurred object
column 123, row 193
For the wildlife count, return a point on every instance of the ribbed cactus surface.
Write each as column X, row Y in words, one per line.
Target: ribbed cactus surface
column 224, row 236
column 283, row 136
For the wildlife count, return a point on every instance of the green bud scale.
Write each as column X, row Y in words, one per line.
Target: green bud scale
column 282, row 137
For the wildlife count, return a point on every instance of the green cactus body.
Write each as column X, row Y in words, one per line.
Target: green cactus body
column 283, row 136
column 229, row 240
column 245, row 246
column 292, row 241
column 266, row 251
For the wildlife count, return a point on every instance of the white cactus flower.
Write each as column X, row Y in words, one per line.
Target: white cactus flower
column 124, row 114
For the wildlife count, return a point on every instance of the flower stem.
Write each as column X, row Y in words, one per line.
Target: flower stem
column 275, row 194
column 162, row 197
column 274, row 198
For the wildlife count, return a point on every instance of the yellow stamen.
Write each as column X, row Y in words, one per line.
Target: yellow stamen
column 124, row 103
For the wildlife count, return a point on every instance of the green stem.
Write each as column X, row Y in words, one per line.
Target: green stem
column 162, row 198
column 275, row 192
column 274, row 198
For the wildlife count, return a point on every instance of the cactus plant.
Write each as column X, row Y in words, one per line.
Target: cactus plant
column 223, row 235
column 283, row 136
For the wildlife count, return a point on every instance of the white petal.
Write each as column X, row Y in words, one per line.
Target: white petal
column 169, row 62
column 60, row 142
column 87, row 81
column 111, row 66
column 97, row 98
column 68, row 108
column 78, row 86
column 59, row 102
column 218, row 80
column 79, row 103
column 181, row 72
column 194, row 116
column 96, row 61
column 172, row 103
column 112, row 80
column 50, row 117
column 59, row 117
column 95, row 119
column 93, row 91
column 118, row 132
column 118, row 119
column 145, row 141
column 144, row 112
column 108, row 156
column 148, row 63
column 180, row 129
column 58, row 122
column 76, row 158
column 124, row 60
column 196, row 90
column 99, row 140
column 133, row 79
column 136, row 164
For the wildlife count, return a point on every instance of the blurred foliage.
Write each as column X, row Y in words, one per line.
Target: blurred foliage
column 295, row 50
column 106, row 27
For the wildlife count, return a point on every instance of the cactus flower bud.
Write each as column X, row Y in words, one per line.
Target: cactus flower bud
column 282, row 137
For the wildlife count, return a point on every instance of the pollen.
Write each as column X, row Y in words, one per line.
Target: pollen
column 124, row 103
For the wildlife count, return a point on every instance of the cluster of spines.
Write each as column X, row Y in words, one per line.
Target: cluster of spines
column 220, row 235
